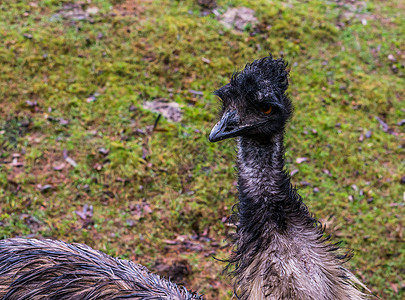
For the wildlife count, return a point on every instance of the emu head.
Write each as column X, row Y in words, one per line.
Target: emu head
column 254, row 102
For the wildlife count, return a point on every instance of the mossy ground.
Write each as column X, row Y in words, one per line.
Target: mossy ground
column 161, row 199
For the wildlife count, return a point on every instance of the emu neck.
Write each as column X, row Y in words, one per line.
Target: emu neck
column 265, row 190
column 279, row 249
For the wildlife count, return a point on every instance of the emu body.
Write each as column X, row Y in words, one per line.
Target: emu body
column 46, row 269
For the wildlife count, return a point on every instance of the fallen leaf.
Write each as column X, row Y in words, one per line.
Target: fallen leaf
column 86, row 212
column 92, row 97
column 327, row 172
column 293, row 172
column 130, row 223
column 301, row 160
column 196, row 92
column 71, row 161
column 206, row 60
column 391, row 58
column 170, row 242
column 31, row 103
column 45, row 188
column 147, row 209
column 59, row 166
column 384, row 125
column 103, row 151
column 97, row 166
column 63, row 122
column 394, row 287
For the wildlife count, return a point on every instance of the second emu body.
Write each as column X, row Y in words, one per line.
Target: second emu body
column 279, row 248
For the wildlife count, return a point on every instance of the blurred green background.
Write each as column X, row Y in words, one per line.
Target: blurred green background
column 79, row 160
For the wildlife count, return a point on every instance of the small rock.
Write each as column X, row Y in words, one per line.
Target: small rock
column 238, row 18
column 391, row 58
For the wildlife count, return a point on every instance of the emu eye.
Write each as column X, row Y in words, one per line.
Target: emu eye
column 266, row 108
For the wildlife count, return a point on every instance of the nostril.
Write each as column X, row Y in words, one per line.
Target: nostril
column 232, row 121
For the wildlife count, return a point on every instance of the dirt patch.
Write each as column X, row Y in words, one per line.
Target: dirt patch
column 76, row 11
column 170, row 110
column 130, row 7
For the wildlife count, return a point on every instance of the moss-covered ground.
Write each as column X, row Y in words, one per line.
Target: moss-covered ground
column 78, row 160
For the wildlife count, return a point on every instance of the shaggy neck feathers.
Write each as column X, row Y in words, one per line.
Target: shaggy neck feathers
column 280, row 252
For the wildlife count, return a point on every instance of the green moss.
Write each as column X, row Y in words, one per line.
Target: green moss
column 154, row 188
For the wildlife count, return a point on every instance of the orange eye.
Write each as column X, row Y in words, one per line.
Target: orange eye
column 266, row 109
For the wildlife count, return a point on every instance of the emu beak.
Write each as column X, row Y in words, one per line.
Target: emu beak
column 227, row 127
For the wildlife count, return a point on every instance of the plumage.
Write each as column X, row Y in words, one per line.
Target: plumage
column 33, row 269
column 280, row 251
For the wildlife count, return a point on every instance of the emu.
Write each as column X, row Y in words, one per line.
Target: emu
column 33, row 269
column 279, row 248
